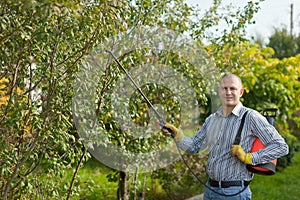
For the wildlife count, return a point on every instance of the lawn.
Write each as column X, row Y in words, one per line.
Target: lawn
column 284, row 185
column 92, row 183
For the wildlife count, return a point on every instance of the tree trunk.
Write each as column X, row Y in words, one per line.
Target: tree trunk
column 135, row 183
column 143, row 193
column 123, row 189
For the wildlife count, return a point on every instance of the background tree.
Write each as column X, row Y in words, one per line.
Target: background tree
column 42, row 44
column 284, row 44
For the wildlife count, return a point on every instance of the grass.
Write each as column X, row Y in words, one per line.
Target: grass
column 284, row 185
column 93, row 183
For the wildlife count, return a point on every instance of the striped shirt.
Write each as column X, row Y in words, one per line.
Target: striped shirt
column 217, row 135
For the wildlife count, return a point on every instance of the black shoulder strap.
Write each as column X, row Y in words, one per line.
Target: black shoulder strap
column 238, row 136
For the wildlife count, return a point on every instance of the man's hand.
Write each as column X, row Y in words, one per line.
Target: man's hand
column 175, row 131
column 238, row 151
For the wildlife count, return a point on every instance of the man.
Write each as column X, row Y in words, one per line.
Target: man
column 226, row 165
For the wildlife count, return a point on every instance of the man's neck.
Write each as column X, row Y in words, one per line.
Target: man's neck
column 227, row 110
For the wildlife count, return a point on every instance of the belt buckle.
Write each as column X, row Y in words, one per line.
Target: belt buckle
column 215, row 183
column 225, row 184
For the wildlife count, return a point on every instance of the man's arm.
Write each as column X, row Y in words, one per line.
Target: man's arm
column 275, row 145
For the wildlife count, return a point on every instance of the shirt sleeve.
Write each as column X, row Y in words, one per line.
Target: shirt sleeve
column 275, row 145
column 196, row 143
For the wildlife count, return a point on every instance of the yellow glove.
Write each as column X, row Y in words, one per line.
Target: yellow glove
column 238, row 151
column 176, row 132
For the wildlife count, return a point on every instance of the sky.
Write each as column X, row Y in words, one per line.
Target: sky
column 272, row 14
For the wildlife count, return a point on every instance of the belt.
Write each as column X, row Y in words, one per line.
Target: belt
column 226, row 184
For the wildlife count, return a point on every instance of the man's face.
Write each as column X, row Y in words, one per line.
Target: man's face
column 230, row 91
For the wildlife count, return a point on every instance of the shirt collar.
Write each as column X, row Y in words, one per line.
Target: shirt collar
column 236, row 110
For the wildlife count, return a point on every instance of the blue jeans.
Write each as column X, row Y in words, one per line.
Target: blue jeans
column 209, row 194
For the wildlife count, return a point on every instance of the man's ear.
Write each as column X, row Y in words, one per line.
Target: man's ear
column 241, row 92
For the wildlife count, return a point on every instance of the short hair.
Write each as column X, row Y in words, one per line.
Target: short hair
column 231, row 76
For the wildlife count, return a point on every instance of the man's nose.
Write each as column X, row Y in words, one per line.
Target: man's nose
column 228, row 91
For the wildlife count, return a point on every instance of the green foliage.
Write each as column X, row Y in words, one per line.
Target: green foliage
column 178, row 182
column 294, row 147
column 211, row 25
column 42, row 43
column 284, row 43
